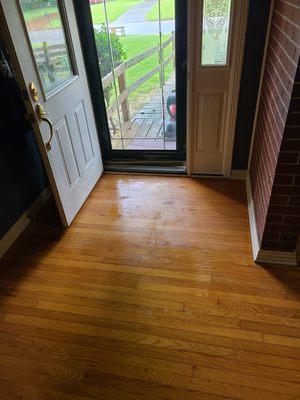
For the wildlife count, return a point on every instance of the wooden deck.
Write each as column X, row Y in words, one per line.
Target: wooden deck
column 151, row 294
column 146, row 128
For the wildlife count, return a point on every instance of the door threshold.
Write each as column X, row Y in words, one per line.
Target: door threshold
column 171, row 169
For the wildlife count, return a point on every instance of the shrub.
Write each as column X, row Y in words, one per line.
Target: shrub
column 104, row 55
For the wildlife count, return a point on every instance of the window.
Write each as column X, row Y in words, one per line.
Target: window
column 46, row 33
column 215, row 32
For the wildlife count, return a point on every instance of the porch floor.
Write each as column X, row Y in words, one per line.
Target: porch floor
column 145, row 130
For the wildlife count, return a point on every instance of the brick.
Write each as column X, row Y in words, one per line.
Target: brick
column 278, row 246
column 279, row 200
column 293, row 221
column 293, row 119
column 294, row 201
column 297, row 76
column 292, row 132
column 294, row 105
column 296, row 90
column 291, row 190
column 288, row 158
column 284, row 210
column 275, row 164
column 272, row 236
column 283, row 179
column 288, row 169
column 274, row 219
column 289, row 238
column 291, row 144
column 282, row 228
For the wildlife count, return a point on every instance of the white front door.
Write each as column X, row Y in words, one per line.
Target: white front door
column 216, row 42
column 46, row 42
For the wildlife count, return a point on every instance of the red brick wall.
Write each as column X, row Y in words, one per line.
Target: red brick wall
column 283, row 220
column 275, row 159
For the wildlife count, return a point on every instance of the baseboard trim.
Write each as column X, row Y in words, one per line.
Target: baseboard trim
column 25, row 219
column 276, row 257
column 239, row 174
column 252, row 221
column 265, row 256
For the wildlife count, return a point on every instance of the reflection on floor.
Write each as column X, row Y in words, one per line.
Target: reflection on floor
column 146, row 129
column 151, row 294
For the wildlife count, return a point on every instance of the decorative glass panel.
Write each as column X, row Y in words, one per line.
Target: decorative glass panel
column 215, row 32
column 47, row 37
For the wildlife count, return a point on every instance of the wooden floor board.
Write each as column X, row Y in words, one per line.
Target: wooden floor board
column 151, row 294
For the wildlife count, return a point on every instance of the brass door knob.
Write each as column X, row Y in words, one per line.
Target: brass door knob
column 42, row 115
column 33, row 91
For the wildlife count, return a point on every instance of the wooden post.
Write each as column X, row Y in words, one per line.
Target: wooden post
column 125, row 103
column 162, row 68
column 46, row 54
column 173, row 50
column 163, row 65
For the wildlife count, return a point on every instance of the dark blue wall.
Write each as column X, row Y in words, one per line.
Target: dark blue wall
column 254, row 49
column 22, row 178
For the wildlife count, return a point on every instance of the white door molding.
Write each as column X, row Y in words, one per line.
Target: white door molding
column 73, row 161
column 225, row 88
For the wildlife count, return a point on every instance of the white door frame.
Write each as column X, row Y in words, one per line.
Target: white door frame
column 69, row 199
column 234, row 90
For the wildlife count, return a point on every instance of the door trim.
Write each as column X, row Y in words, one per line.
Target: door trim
column 85, row 28
column 237, row 54
column 29, row 109
column 69, row 196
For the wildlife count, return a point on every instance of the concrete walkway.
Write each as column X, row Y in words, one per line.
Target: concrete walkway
column 135, row 23
column 136, row 13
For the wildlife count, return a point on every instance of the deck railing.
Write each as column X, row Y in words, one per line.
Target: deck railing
column 45, row 54
column 120, row 75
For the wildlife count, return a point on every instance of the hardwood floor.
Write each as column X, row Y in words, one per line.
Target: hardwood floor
column 150, row 295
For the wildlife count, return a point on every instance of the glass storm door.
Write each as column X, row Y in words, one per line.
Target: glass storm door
column 217, row 32
column 44, row 35
column 136, row 53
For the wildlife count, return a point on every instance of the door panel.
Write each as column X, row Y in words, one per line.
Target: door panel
column 44, row 39
column 84, row 133
column 210, row 121
column 216, row 37
column 66, row 150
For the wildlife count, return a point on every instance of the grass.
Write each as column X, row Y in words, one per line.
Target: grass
column 133, row 45
column 29, row 15
column 115, row 8
column 167, row 8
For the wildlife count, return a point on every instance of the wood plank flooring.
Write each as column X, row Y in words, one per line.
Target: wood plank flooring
column 150, row 295
column 146, row 128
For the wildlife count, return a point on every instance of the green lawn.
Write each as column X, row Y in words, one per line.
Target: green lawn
column 115, row 8
column 29, row 15
column 136, row 44
column 167, row 11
